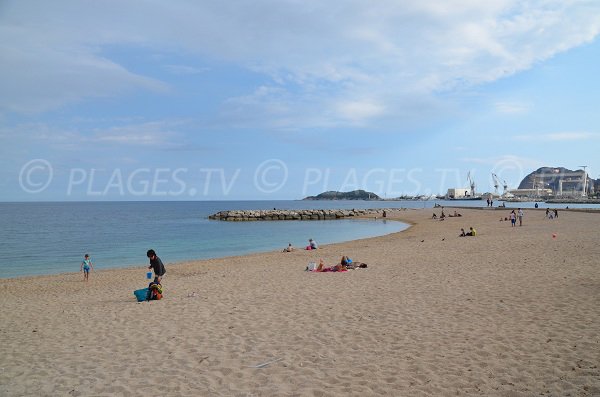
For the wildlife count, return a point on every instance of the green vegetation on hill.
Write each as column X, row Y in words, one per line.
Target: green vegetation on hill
column 353, row 195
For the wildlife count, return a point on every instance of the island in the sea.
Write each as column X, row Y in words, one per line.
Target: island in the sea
column 353, row 195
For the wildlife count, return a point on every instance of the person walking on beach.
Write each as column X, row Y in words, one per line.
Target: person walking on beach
column 520, row 214
column 86, row 266
column 156, row 265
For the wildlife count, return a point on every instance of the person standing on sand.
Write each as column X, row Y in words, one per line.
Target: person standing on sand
column 520, row 214
column 156, row 265
column 513, row 218
column 86, row 266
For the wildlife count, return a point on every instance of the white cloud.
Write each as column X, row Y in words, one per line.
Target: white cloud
column 558, row 137
column 155, row 134
column 185, row 70
column 323, row 54
column 359, row 111
column 572, row 136
column 504, row 161
column 512, row 107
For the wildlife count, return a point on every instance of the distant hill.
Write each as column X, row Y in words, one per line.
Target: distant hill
column 353, row 195
column 549, row 177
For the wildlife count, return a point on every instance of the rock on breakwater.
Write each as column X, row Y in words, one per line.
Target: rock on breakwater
column 296, row 215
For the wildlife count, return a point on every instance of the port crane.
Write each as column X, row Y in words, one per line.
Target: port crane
column 471, row 183
column 496, row 183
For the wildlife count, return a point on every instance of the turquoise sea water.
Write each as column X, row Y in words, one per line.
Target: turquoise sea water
column 52, row 237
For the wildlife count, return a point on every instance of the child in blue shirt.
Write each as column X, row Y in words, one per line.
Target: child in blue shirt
column 86, row 265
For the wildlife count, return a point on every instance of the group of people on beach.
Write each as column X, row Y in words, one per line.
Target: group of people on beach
column 551, row 214
column 443, row 215
column 472, row 232
column 312, row 245
column 513, row 216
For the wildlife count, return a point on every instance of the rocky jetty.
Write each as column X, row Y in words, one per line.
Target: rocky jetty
column 296, row 215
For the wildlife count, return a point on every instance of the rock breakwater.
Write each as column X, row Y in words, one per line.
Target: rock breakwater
column 296, row 215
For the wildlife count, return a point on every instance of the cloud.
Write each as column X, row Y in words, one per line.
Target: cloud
column 185, row 70
column 558, row 137
column 512, row 107
column 322, row 58
column 359, row 111
column 37, row 77
column 153, row 134
column 505, row 162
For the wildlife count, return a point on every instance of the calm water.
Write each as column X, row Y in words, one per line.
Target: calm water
column 49, row 238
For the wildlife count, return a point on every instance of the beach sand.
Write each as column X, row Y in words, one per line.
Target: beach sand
column 510, row 312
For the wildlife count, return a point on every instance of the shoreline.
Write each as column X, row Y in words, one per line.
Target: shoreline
column 195, row 260
column 512, row 311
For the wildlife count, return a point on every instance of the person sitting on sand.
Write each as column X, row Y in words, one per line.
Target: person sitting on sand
column 289, row 248
column 472, row 232
column 462, row 233
column 312, row 244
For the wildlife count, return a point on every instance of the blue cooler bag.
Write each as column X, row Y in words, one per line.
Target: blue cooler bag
column 141, row 294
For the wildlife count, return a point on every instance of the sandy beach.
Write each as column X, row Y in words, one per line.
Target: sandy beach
column 514, row 311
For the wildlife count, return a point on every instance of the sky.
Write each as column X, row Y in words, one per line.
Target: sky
column 269, row 100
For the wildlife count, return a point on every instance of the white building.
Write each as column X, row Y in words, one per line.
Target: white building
column 458, row 193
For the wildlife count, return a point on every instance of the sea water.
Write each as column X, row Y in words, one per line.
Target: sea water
column 52, row 237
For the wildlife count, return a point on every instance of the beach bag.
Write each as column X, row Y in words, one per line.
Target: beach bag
column 312, row 266
column 141, row 294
